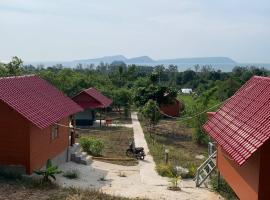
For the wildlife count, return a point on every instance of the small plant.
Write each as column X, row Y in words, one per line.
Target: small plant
column 92, row 146
column 71, row 174
column 49, row 172
column 175, row 183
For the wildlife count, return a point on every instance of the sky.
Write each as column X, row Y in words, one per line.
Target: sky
column 65, row 30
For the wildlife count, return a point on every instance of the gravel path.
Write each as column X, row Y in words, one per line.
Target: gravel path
column 139, row 181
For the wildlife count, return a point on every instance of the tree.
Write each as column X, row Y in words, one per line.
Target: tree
column 14, row 66
column 122, row 99
column 151, row 113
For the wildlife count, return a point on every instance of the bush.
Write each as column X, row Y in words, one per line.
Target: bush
column 71, row 174
column 92, row 146
column 192, row 170
column 165, row 170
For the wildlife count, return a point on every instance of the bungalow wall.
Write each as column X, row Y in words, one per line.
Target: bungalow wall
column 14, row 140
column 244, row 180
column 42, row 147
column 23, row 144
column 85, row 118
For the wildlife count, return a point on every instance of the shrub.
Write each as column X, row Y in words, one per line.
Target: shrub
column 192, row 170
column 49, row 172
column 92, row 146
column 165, row 170
column 71, row 174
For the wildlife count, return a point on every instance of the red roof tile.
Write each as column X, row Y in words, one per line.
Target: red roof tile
column 91, row 98
column 36, row 100
column 242, row 124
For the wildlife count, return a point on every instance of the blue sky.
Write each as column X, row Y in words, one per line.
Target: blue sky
column 46, row 30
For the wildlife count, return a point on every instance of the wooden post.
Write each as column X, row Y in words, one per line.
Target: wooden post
column 166, row 156
column 100, row 117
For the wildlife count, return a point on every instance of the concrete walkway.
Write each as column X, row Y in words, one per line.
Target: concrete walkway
column 147, row 167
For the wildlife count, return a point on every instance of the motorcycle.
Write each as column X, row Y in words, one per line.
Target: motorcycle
column 137, row 152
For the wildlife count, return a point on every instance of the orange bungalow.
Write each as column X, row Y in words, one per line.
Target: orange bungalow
column 30, row 111
column 241, row 129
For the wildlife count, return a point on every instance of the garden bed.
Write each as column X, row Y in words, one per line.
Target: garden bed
column 116, row 141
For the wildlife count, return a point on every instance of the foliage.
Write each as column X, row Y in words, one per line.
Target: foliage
column 192, row 170
column 14, row 66
column 92, row 145
column 49, row 172
column 160, row 94
column 150, row 112
column 165, row 169
column 71, row 174
column 223, row 188
column 175, row 181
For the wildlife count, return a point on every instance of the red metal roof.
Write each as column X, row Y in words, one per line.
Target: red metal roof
column 242, row 124
column 36, row 100
column 91, row 98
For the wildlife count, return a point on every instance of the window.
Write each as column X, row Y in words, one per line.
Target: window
column 54, row 133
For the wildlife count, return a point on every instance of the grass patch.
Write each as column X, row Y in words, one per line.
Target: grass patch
column 71, row 174
column 116, row 141
column 182, row 152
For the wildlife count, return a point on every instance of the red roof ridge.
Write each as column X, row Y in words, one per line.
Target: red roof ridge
column 261, row 77
column 17, row 77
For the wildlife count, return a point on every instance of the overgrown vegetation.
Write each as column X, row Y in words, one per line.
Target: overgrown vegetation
column 92, row 145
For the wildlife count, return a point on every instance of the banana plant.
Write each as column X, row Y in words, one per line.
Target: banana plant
column 49, row 173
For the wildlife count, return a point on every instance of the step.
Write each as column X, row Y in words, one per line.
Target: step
column 87, row 160
column 74, row 148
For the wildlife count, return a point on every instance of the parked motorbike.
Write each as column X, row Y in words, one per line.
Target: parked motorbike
column 137, row 152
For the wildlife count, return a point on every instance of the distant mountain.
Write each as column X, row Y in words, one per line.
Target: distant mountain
column 105, row 59
column 223, row 63
column 141, row 59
